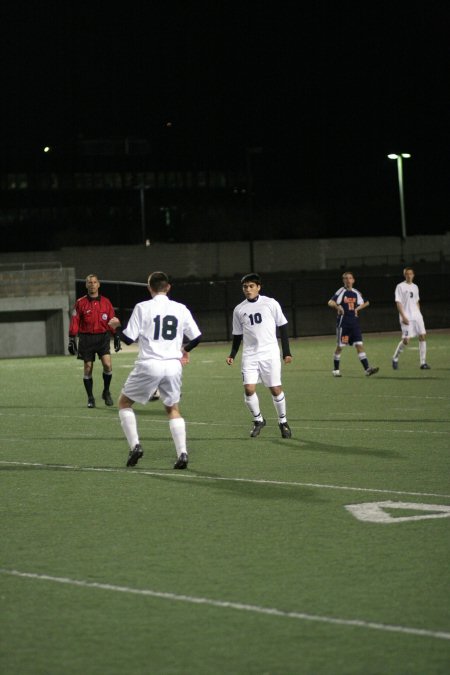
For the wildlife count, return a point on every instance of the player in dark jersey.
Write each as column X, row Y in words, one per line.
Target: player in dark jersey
column 348, row 302
column 90, row 321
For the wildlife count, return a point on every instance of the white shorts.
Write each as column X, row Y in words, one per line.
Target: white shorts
column 265, row 370
column 152, row 374
column 415, row 328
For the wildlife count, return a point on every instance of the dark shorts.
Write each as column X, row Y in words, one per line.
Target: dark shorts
column 348, row 333
column 90, row 345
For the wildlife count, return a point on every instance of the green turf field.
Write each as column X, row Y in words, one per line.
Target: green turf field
column 249, row 562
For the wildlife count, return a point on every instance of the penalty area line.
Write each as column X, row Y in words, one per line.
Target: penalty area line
column 231, row 479
column 225, row 604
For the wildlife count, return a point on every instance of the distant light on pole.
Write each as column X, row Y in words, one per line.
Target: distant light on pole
column 47, row 148
column 400, row 157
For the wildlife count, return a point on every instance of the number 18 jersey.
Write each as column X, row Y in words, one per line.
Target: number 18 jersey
column 257, row 322
column 159, row 326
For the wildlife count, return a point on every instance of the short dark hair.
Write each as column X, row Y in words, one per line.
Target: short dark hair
column 158, row 281
column 253, row 276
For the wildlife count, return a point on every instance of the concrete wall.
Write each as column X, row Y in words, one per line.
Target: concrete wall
column 228, row 259
column 34, row 311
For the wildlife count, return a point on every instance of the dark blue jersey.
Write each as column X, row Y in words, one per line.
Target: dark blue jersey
column 349, row 300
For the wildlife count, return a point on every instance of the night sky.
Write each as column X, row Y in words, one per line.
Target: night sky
column 325, row 89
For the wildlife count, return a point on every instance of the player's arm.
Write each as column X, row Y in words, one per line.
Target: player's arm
column 187, row 348
column 334, row 305
column 360, row 307
column 284, row 337
column 74, row 326
column 401, row 311
column 237, row 339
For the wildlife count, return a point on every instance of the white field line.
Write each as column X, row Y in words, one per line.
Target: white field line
column 192, row 476
column 224, row 604
column 305, row 427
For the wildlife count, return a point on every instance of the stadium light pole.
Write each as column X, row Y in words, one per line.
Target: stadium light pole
column 400, row 157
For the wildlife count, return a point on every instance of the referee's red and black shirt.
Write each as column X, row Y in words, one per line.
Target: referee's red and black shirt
column 91, row 315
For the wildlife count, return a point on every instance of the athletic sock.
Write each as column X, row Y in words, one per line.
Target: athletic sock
column 107, row 377
column 423, row 352
column 400, row 347
column 280, row 406
column 177, row 428
column 88, row 385
column 336, row 361
column 129, row 426
column 363, row 358
column 252, row 403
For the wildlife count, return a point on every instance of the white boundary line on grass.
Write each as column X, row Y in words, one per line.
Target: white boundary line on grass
column 193, row 476
column 224, row 604
column 193, row 423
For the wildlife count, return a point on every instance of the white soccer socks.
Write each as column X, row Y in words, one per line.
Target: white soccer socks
column 129, row 426
column 177, row 428
column 252, row 403
column 398, row 351
column 280, row 406
column 422, row 351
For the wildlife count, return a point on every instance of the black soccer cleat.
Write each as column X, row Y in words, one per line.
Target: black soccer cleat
column 106, row 396
column 372, row 371
column 425, row 366
column 135, row 455
column 182, row 461
column 257, row 426
column 91, row 402
column 394, row 364
column 285, row 430
column 155, row 396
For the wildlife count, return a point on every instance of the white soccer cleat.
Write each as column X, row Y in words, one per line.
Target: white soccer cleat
column 336, row 373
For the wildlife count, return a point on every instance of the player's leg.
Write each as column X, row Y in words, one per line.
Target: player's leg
column 401, row 345
column 104, row 354
column 129, row 426
column 177, row 427
column 170, row 392
column 252, row 402
column 423, row 352
column 337, row 356
column 86, row 353
column 250, row 377
column 88, row 367
column 107, row 377
column 279, row 402
column 143, row 379
column 363, row 359
column 270, row 373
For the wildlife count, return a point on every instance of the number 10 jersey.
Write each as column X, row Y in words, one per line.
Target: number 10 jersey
column 257, row 322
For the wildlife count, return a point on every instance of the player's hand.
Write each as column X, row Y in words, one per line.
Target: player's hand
column 72, row 346
column 117, row 343
column 230, row 360
column 287, row 359
column 185, row 358
column 114, row 323
column 405, row 320
column 340, row 310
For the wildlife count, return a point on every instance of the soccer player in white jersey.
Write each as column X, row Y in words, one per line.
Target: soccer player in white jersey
column 411, row 319
column 159, row 326
column 255, row 322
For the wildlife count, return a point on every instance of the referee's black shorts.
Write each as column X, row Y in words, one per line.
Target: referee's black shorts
column 90, row 344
